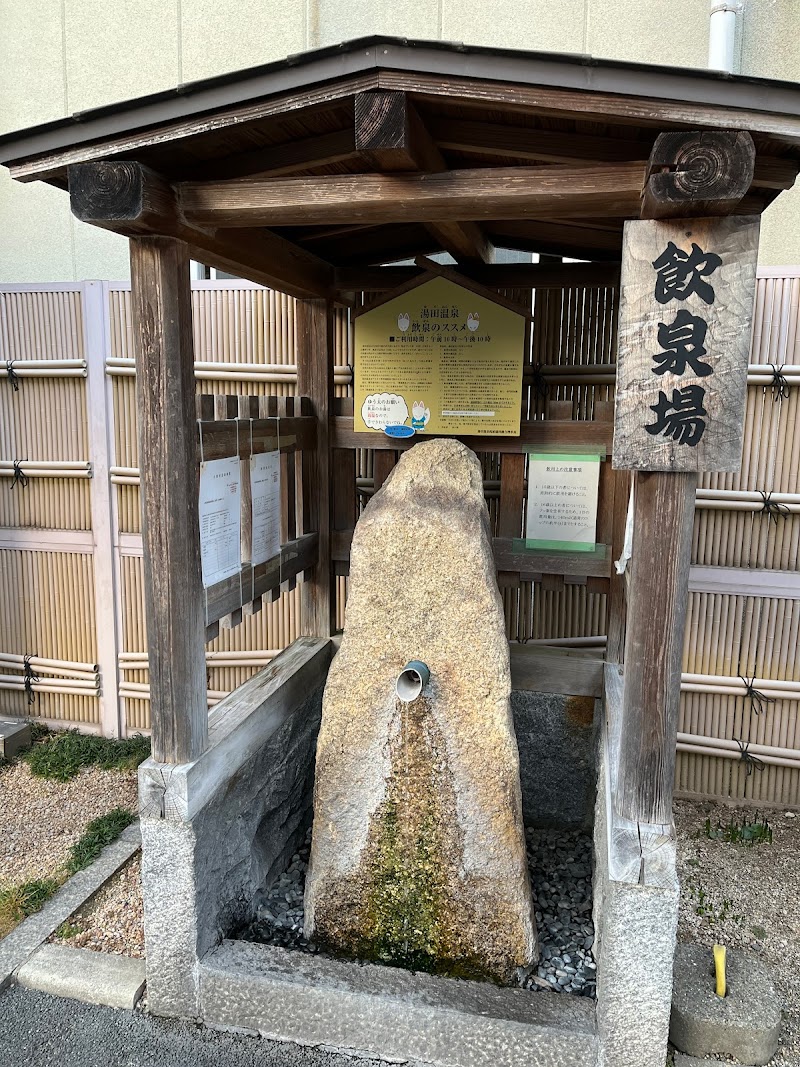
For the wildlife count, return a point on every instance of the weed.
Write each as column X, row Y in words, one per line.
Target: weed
column 19, row 901
column 38, row 731
column 693, row 863
column 758, row 832
column 62, row 756
column 709, row 910
column 99, row 833
column 67, row 930
column 759, row 932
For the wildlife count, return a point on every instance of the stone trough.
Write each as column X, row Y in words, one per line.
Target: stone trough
column 218, row 831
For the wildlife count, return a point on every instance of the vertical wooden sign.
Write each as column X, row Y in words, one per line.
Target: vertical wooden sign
column 686, row 306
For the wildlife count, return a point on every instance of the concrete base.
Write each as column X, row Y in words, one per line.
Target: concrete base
column 214, row 832
column 78, row 973
column 746, row 1024
column 635, row 927
column 14, row 736
column 391, row 1014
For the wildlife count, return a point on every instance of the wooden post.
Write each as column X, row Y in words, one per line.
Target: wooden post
column 173, row 588
column 680, row 184
column 315, row 380
column 656, row 620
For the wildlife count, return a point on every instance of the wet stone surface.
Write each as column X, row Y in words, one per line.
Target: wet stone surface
column 560, row 862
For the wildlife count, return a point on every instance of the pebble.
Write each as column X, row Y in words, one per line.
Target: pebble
column 560, row 864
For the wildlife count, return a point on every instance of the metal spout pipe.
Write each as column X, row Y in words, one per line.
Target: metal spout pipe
column 412, row 680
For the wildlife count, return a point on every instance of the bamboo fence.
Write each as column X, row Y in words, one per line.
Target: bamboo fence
column 738, row 732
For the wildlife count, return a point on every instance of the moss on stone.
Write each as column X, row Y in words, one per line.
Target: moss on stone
column 407, row 917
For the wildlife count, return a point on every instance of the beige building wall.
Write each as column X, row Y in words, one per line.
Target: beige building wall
column 58, row 57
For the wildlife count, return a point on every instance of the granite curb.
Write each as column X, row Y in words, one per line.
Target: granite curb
column 18, row 946
column 81, row 974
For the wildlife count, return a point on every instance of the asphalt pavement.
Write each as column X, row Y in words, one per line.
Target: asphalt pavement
column 37, row 1030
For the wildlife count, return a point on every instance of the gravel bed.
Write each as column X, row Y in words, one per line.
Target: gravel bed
column 41, row 819
column 112, row 920
column 745, row 897
column 561, row 878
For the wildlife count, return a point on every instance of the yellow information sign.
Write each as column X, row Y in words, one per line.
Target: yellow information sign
column 441, row 360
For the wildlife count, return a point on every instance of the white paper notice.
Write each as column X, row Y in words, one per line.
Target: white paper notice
column 220, row 519
column 562, row 502
column 265, row 487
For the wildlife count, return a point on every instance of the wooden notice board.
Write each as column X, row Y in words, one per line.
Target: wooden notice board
column 686, row 305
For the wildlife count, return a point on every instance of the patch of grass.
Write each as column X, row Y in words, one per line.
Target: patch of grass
column 20, row 901
column 99, row 833
column 758, row 832
column 61, row 756
column 67, row 930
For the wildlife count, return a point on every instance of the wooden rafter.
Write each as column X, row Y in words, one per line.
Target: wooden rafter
column 546, row 146
column 129, row 199
column 391, row 135
column 599, row 190
column 286, row 158
column 495, row 275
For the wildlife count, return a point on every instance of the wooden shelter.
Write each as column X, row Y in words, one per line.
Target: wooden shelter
column 315, row 174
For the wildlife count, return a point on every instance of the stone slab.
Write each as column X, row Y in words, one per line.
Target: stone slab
column 80, row 974
column 390, row 1013
column 14, row 736
column 19, row 945
column 556, row 741
column 745, row 1024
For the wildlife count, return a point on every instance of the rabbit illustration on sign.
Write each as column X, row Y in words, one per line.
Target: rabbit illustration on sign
column 402, row 321
column 473, row 321
column 419, row 414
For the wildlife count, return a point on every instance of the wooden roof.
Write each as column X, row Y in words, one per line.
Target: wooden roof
column 477, row 129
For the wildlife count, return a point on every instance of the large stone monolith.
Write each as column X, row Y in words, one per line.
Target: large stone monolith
column 418, row 851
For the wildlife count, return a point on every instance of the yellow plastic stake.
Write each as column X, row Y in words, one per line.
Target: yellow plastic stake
column 719, row 965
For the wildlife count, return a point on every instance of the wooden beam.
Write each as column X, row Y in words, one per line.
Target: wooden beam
column 532, row 436
column 600, row 190
column 563, row 238
column 131, row 200
column 521, row 142
column 700, row 172
column 173, row 589
column 578, row 565
column 570, row 671
column 392, row 136
column 286, row 158
column 314, row 333
column 493, row 275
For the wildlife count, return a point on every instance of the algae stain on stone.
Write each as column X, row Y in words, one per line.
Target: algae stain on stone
column 414, row 841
